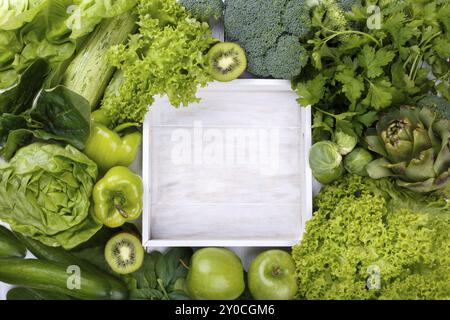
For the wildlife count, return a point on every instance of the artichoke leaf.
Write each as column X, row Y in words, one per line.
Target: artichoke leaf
column 399, row 151
column 423, row 186
column 422, row 167
column 379, row 168
column 443, row 180
column 442, row 162
column 421, row 140
column 376, row 145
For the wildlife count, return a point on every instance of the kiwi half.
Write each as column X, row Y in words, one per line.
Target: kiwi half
column 227, row 61
column 124, row 253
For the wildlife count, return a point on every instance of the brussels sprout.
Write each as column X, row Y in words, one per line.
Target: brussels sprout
column 346, row 139
column 357, row 160
column 326, row 162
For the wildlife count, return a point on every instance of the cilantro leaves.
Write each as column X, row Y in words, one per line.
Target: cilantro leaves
column 356, row 72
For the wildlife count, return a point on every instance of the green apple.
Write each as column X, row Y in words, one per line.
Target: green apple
column 271, row 276
column 215, row 274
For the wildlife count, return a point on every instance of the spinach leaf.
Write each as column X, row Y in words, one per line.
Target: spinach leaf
column 17, row 98
column 28, row 111
column 162, row 276
column 64, row 114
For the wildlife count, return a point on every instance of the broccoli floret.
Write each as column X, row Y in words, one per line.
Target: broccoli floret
column 203, row 10
column 296, row 18
column 438, row 104
column 288, row 49
column 347, row 5
column 259, row 25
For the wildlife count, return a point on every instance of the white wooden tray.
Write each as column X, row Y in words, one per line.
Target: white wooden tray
column 229, row 171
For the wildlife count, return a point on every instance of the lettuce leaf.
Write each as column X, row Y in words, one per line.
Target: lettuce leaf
column 86, row 14
column 47, row 29
column 15, row 13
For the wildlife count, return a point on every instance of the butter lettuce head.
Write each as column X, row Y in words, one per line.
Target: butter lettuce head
column 44, row 194
column 370, row 240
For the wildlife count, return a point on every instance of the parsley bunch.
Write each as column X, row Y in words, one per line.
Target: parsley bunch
column 371, row 58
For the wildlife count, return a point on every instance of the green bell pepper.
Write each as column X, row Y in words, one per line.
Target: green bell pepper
column 118, row 197
column 110, row 148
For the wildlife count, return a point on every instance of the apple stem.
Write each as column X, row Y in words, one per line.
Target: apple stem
column 184, row 264
column 276, row 271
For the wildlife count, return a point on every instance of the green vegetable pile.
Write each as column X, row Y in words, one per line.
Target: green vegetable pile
column 369, row 240
column 77, row 78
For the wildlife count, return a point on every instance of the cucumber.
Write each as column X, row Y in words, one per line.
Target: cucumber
column 65, row 258
column 54, row 277
column 20, row 293
column 10, row 246
column 90, row 71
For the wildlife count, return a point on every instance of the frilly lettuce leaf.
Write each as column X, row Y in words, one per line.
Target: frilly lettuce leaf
column 369, row 239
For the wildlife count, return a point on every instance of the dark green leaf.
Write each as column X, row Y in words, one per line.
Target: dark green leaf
column 368, row 118
column 146, row 294
column 146, row 276
column 96, row 256
column 19, row 97
column 14, row 140
column 178, row 295
column 163, row 270
column 64, row 114
column 312, row 91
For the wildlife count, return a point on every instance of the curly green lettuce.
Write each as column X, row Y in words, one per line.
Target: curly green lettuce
column 370, row 240
column 166, row 57
column 44, row 194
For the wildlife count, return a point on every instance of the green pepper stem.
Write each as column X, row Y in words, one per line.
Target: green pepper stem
column 184, row 264
column 121, row 211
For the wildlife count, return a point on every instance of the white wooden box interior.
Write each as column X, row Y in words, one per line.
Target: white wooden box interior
column 231, row 204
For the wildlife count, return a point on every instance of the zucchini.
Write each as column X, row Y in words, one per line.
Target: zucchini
column 65, row 258
column 54, row 277
column 10, row 246
column 90, row 71
column 20, row 293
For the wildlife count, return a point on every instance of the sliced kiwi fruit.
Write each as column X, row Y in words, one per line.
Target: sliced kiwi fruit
column 227, row 61
column 124, row 253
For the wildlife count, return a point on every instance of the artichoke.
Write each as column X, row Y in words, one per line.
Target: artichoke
column 415, row 149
